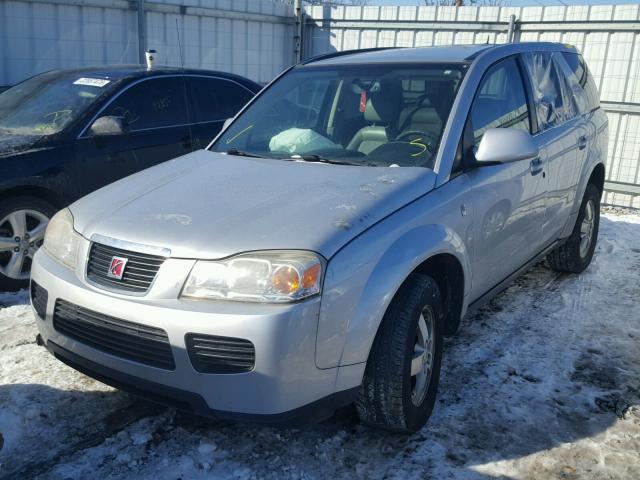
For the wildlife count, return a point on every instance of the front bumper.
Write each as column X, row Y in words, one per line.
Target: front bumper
column 284, row 382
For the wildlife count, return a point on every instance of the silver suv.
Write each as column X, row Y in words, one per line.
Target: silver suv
column 339, row 227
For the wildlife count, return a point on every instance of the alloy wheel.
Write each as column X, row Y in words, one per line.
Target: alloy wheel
column 21, row 234
column 423, row 356
column 586, row 228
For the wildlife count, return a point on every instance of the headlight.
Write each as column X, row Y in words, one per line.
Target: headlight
column 61, row 240
column 278, row 276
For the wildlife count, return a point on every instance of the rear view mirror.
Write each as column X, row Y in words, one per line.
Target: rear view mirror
column 502, row 145
column 226, row 123
column 109, row 125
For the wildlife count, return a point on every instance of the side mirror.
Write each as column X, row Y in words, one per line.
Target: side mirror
column 226, row 123
column 502, row 145
column 108, row 126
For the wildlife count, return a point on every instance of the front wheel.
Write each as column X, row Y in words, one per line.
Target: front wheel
column 23, row 221
column 400, row 383
column 576, row 253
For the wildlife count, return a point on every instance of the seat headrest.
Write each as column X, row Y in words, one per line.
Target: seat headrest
column 384, row 103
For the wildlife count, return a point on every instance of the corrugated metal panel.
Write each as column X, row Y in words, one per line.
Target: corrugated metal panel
column 608, row 36
column 248, row 37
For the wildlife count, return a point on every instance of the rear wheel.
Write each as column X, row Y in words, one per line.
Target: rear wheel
column 576, row 253
column 23, row 221
column 400, row 383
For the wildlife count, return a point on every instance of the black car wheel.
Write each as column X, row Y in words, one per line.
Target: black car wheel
column 400, row 383
column 23, row 221
column 576, row 253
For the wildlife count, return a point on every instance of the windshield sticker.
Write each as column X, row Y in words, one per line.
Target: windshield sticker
column 92, row 82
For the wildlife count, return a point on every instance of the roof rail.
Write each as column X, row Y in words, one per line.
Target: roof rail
column 325, row 56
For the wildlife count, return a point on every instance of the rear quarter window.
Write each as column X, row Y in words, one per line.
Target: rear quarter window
column 215, row 99
column 584, row 78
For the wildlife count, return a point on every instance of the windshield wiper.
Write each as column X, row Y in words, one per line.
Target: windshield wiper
column 320, row 159
column 240, row 153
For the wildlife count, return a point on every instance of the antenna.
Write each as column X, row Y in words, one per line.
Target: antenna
column 184, row 89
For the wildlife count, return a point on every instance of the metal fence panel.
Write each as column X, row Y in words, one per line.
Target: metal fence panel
column 607, row 35
column 248, row 37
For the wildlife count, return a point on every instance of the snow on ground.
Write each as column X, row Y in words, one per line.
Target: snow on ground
column 543, row 383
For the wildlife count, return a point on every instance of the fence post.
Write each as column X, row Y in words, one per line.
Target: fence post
column 297, row 38
column 142, row 33
column 511, row 30
column 513, row 33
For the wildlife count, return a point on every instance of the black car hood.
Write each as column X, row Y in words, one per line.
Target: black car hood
column 11, row 144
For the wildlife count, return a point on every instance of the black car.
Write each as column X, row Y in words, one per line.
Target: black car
column 66, row 133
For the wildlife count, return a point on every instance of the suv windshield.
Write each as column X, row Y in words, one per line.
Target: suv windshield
column 374, row 115
column 47, row 103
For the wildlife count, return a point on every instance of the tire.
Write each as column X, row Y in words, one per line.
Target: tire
column 573, row 256
column 389, row 396
column 36, row 213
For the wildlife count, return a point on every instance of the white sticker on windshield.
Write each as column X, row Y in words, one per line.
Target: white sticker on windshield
column 93, row 82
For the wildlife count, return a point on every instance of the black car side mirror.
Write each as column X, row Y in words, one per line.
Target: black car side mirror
column 109, row 125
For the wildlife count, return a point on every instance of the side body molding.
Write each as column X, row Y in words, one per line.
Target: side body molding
column 364, row 276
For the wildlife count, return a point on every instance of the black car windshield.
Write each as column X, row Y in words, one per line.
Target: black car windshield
column 47, row 103
column 373, row 115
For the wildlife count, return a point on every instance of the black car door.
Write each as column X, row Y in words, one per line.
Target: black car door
column 212, row 101
column 155, row 114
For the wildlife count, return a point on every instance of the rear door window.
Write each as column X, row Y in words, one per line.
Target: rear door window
column 501, row 101
column 153, row 103
column 557, row 96
column 215, row 99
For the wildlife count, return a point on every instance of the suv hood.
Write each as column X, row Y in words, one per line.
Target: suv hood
column 210, row 205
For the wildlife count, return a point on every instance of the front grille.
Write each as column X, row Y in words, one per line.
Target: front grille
column 212, row 354
column 139, row 272
column 39, row 298
column 139, row 343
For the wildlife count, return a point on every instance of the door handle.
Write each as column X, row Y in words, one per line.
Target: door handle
column 582, row 142
column 536, row 166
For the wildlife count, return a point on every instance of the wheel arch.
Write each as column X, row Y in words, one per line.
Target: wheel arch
column 448, row 273
column 597, row 177
column 349, row 323
column 42, row 193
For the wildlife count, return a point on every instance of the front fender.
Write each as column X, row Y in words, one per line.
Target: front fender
column 363, row 277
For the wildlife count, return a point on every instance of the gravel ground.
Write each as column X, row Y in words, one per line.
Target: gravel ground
column 544, row 382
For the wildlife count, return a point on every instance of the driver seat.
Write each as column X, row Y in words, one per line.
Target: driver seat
column 422, row 117
column 382, row 111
